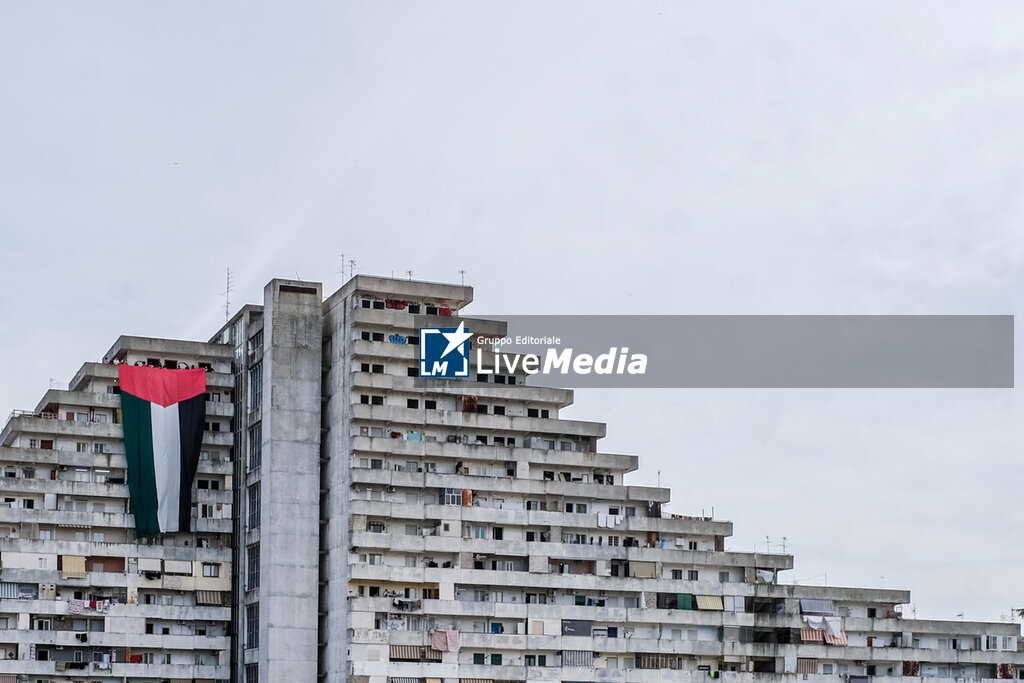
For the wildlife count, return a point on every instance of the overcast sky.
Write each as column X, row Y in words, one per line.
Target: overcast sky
column 571, row 157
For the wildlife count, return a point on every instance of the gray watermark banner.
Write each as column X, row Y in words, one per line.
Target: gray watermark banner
column 746, row 351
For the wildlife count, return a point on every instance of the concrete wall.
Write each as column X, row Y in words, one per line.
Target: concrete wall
column 337, row 484
column 289, row 531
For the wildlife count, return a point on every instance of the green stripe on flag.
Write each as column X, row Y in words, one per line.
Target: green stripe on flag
column 138, row 447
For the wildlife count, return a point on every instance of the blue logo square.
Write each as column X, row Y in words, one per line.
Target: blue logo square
column 444, row 351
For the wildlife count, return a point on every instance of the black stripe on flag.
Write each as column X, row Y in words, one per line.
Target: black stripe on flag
column 191, row 419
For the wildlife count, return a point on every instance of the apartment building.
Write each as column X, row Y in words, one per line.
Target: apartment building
column 468, row 533
column 81, row 597
column 388, row 528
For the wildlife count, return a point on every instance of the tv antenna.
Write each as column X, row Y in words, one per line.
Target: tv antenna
column 228, row 288
column 409, row 273
column 462, row 277
column 351, row 263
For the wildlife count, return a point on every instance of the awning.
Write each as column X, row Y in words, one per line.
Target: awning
column 578, row 658
column 433, row 680
column 806, row 666
column 835, row 640
column 405, row 653
column 73, row 566
column 642, row 570
column 8, row 678
column 815, row 606
column 431, row 655
column 178, row 567
column 404, row 679
column 9, row 589
column 712, row 602
column 811, row 635
column 209, row 598
column 148, row 564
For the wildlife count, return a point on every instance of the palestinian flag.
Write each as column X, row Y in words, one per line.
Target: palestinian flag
column 163, row 412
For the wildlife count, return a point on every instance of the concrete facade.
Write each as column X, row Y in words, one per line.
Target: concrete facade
column 393, row 529
column 80, row 597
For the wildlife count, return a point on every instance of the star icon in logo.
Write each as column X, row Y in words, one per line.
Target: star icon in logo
column 456, row 338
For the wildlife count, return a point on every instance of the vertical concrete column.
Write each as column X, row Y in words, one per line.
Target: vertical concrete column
column 289, row 530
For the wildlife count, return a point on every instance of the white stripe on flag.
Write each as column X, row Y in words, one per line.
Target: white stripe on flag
column 167, row 464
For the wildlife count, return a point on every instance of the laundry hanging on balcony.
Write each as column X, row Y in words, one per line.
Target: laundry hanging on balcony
column 164, row 411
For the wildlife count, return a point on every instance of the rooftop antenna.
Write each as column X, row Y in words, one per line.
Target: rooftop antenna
column 960, row 615
column 659, row 479
column 462, row 277
column 768, row 544
column 784, row 539
column 409, row 273
column 351, row 268
column 227, row 296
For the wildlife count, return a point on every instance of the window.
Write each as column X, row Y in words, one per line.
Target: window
column 253, row 495
column 532, row 412
column 256, row 387
column 374, row 559
column 496, row 660
column 376, row 400
column 430, row 404
column 677, row 574
column 480, row 532
column 499, row 410
column 692, row 575
column 412, row 403
column 723, row 577
column 691, row 545
column 453, row 496
column 497, row 533
column 252, row 627
column 872, row 612
column 252, row 673
column 255, row 445
column 479, row 658
column 252, row 566
column 211, row 570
